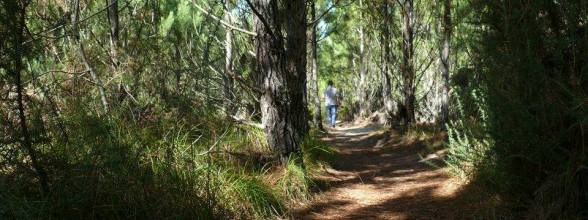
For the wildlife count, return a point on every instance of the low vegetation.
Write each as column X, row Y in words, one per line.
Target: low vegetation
column 191, row 168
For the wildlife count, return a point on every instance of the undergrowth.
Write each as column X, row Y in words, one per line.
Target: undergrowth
column 175, row 166
column 429, row 135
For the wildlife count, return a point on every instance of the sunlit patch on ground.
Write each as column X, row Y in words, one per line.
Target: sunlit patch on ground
column 381, row 176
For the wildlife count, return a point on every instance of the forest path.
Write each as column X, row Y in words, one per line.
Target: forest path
column 378, row 176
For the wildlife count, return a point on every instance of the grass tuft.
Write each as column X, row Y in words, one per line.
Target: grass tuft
column 256, row 197
column 295, row 183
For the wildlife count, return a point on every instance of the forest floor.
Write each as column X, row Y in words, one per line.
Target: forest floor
column 379, row 175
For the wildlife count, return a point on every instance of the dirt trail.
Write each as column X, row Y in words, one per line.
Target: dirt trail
column 377, row 176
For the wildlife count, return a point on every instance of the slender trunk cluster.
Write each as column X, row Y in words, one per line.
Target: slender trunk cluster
column 281, row 60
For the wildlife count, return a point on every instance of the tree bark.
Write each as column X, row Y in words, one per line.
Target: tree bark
column 283, row 67
column 296, row 55
column 317, row 119
column 444, row 52
column 386, row 58
column 407, row 67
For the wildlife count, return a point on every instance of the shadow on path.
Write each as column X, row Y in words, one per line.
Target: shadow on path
column 378, row 176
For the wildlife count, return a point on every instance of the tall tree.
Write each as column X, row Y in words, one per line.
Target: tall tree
column 363, row 69
column 14, row 19
column 282, row 62
column 317, row 118
column 444, row 55
column 407, row 66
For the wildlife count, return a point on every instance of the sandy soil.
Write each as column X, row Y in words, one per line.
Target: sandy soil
column 377, row 176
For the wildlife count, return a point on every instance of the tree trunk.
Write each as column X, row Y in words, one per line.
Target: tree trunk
column 115, row 47
column 227, row 78
column 447, row 31
column 296, row 54
column 317, row 119
column 114, row 29
column 16, row 12
column 283, row 66
column 363, row 71
column 408, row 63
column 386, row 57
column 82, row 51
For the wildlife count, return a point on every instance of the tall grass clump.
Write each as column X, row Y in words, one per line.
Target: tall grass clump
column 295, row 182
column 297, row 179
column 316, row 152
column 216, row 169
column 255, row 197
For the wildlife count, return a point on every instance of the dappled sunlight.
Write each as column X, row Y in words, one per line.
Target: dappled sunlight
column 305, row 109
column 377, row 176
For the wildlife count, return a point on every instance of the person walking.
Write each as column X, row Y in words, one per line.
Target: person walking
column 331, row 96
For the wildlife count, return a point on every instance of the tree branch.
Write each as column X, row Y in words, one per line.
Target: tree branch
column 223, row 22
column 314, row 22
column 65, row 23
column 261, row 18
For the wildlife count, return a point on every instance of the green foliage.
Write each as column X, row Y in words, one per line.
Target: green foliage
column 166, row 25
column 261, row 200
column 165, row 148
column 316, row 152
column 295, row 183
column 173, row 166
column 518, row 127
column 468, row 143
column 248, row 139
column 112, row 169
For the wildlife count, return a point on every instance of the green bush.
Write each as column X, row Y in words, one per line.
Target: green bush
column 470, row 147
column 520, row 116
